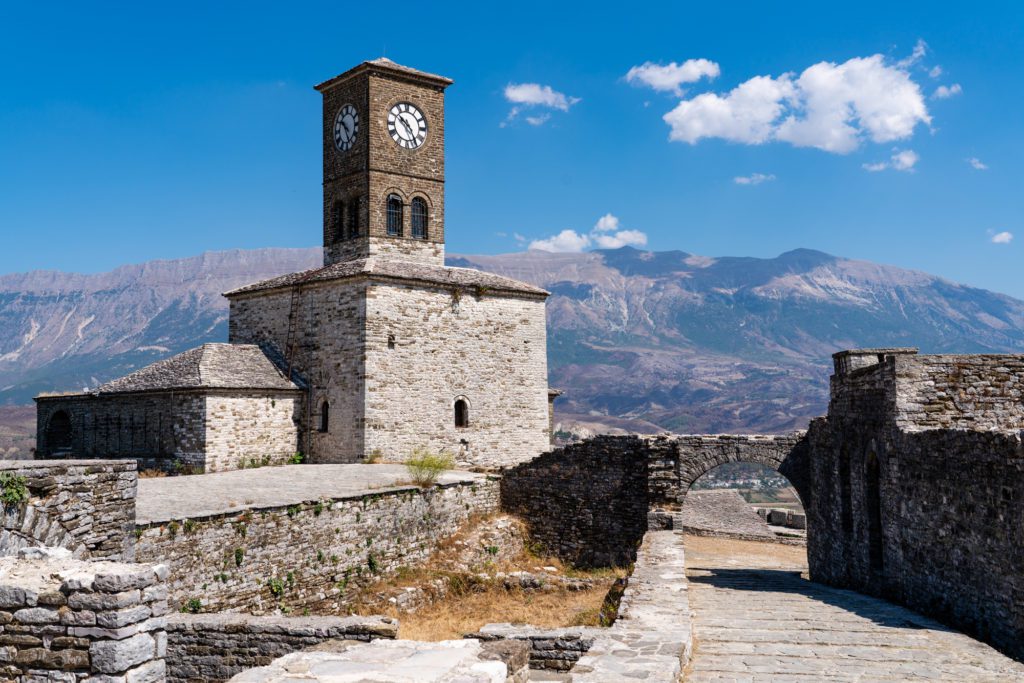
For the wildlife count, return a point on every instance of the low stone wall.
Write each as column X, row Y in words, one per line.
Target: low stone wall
column 551, row 649
column 66, row 620
column 652, row 638
column 307, row 556
column 214, row 647
column 86, row 506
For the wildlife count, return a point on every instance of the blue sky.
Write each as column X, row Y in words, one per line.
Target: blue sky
column 137, row 131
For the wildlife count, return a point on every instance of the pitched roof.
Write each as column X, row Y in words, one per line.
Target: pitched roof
column 387, row 65
column 210, row 366
column 392, row 269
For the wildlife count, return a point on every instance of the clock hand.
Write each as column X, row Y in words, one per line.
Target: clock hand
column 408, row 128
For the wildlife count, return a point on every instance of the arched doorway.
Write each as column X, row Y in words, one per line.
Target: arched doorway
column 59, row 433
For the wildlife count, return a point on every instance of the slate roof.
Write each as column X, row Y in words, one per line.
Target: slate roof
column 210, row 366
column 391, row 269
column 385, row 63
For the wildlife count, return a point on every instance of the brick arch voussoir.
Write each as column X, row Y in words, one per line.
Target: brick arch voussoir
column 787, row 462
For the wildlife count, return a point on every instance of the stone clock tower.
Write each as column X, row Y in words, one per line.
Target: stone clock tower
column 383, row 153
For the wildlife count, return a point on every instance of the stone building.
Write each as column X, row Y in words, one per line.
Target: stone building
column 384, row 350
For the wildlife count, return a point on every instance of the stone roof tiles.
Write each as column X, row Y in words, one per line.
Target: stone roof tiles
column 210, row 366
column 391, row 269
column 388, row 65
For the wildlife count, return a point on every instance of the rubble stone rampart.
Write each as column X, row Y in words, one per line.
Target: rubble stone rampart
column 86, row 506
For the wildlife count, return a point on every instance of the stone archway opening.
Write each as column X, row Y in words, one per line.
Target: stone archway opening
column 58, row 433
column 747, row 501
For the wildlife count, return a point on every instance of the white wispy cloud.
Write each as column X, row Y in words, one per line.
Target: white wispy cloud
column 916, row 55
column 670, row 77
column 901, row 160
column 935, row 71
column 607, row 233
column 753, row 179
column 534, row 95
column 1002, row 237
column 977, row 164
column 829, row 106
column 944, row 92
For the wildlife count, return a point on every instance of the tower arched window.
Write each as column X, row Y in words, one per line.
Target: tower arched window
column 419, row 218
column 352, row 219
column 325, row 416
column 338, row 220
column 461, row 412
column 394, row 215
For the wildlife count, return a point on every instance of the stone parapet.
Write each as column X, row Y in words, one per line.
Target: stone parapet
column 552, row 649
column 215, row 647
column 86, row 506
column 71, row 620
column 652, row 638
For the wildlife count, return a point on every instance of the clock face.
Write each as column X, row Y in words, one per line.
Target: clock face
column 346, row 127
column 407, row 126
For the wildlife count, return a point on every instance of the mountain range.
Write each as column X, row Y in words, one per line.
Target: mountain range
column 638, row 340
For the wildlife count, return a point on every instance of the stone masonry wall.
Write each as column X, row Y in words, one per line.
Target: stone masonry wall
column 245, row 427
column 307, row 556
column 588, row 502
column 154, row 429
column 488, row 349
column 72, row 620
column 959, row 392
column 204, row 648
column 922, row 514
column 328, row 355
column 86, row 506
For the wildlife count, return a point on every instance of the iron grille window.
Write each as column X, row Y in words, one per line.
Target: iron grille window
column 353, row 217
column 419, row 218
column 394, row 215
column 337, row 217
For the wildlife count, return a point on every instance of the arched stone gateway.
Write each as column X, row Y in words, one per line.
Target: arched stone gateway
column 590, row 502
column 699, row 454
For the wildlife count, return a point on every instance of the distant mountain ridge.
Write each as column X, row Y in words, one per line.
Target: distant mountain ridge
column 639, row 340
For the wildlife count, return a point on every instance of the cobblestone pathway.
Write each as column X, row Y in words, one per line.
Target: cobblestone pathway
column 756, row 619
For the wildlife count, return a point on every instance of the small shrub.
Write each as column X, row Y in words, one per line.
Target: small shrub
column 192, row 606
column 371, row 562
column 425, row 467
column 151, row 474
column 189, row 526
column 239, row 556
column 296, row 459
column 492, row 550
column 375, row 456
column 172, row 529
column 293, row 510
column 318, row 508
column 276, row 587
column 13, row 489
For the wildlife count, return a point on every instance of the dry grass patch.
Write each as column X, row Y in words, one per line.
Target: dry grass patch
column 723, row 552
column 457, row 615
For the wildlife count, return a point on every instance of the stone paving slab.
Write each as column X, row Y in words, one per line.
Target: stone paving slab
column 199, row 495
column 766, row 623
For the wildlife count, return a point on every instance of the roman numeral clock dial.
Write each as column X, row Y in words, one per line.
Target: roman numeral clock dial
column 346, row 127
column 407, row 126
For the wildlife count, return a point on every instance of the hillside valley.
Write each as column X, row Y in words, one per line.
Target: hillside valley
column 640, row 341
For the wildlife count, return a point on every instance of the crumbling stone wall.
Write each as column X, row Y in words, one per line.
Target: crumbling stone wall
column 312, row 555
column 86, row 506
column 204, row 648
column 588, row 503
column 67, row 620
column 918, row 473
